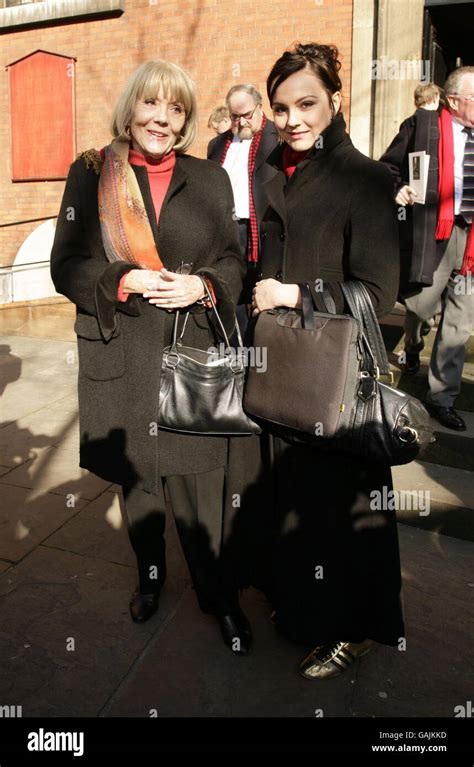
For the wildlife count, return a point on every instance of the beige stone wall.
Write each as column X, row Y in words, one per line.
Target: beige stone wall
column 386, row 67
column 399, row 40
column 363, row 37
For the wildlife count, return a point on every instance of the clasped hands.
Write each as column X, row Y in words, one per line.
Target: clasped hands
column 165, row 289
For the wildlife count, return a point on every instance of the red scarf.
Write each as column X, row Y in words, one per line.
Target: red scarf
column 445, row 221
column 290, row 159
column 252, row 245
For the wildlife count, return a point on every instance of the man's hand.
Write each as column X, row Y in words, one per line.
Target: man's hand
column 406, row 195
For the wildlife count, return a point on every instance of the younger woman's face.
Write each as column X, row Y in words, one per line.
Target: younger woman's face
column 301, row 109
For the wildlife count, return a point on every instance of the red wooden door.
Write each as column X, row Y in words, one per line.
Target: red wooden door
column 42, row 116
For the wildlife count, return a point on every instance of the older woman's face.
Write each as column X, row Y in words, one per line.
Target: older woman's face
column 156, row 125
column 301, row 109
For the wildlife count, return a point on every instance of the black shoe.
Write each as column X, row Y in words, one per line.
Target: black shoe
column 143, row 606
column 411, row 365
column 446, row 416
column 236, row 631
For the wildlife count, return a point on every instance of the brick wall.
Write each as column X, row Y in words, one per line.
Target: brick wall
column 220, row 43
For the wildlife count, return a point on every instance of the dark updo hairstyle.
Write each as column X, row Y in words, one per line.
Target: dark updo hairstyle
column 321, row 59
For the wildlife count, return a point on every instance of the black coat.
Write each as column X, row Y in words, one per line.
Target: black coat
column 120, row 345
column 333, row 220
column 419, row 251
column 262, row 171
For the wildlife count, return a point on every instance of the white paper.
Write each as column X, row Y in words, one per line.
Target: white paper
column 418, row 164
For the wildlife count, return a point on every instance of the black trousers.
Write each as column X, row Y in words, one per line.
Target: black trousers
column 197, row 501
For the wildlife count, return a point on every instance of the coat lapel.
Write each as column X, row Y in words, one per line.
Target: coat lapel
column 178, row 180
column 142, row 178
column 267, row 144
column 275, row 191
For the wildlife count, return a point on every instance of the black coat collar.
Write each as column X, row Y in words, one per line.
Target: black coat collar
column 332, row 136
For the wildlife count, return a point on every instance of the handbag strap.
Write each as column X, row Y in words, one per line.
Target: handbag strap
column 361, row 307
column 175, row 340
column 307, row 307
column 307, row 304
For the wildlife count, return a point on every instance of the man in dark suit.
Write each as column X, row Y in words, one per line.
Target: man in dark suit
column 242, row 152
column 438, row 238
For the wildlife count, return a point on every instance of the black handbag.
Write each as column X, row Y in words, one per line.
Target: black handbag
column 323, row 382
column 201, row 391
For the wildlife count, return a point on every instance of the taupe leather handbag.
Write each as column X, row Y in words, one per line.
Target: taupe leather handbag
column 323, row 382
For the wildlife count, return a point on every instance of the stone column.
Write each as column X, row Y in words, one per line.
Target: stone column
column 362, row 90
column 397, row 68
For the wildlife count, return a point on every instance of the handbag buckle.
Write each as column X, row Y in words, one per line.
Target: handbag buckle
column 379, row 376
column 409, row 435
column 169, row 363
column 236, row 366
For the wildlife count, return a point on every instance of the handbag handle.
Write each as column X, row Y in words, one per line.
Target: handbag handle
column 307, row 304
column 174, row 340
column 307, row 307
column 361, row 308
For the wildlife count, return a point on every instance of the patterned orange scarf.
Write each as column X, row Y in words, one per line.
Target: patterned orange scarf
column 126, row 230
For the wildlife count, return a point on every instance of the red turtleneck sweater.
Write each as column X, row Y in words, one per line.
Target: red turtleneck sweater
column 291, row 160
column 159, row 174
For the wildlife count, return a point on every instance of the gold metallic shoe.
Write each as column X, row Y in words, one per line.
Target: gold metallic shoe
column 331, row 660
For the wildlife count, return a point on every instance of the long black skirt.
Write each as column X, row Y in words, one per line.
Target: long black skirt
column 310, row 533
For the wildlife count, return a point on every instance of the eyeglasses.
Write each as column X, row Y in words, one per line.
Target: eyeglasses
column 467, row 96
column 247, row 116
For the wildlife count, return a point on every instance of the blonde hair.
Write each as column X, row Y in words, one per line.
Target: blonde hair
column 145, row 82
column 217, row 114
column 425, row 94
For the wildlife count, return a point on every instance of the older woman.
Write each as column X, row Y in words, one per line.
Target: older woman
column 134, row 219
column 335, row 579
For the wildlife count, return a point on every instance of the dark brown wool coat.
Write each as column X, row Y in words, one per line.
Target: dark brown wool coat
column 120, row 345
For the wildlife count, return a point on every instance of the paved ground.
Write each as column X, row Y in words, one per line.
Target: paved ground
column 67, row 571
